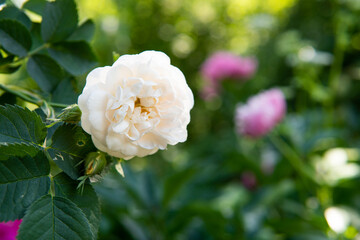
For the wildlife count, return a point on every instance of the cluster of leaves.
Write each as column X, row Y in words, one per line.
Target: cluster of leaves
column 40, row 161
column 31, row 186
column 53, row 51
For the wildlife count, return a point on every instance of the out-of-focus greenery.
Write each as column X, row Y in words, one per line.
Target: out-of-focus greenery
column 299, row 182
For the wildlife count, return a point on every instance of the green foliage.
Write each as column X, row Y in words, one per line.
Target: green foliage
column 56, row 218
column 25, row 41
column 11, row 12
column 84, row 32
column 70, row 145
column 45, row 71
column 41, row 159
column 6, row 65
column 75, row 57
column 64, row 92
column 36, row 6
column 60, row 20
column 20, row 125
column 14, row 37
column 87, row 201
column 24, row 178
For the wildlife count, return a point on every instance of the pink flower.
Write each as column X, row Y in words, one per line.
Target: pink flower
column 261, row 113
column 224, row 65
column 248, row 180
column 9, row 230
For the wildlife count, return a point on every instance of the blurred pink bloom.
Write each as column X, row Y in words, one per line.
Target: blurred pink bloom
column 248, row 180
column 222, row 65
column 9, row 230
column 261, row 113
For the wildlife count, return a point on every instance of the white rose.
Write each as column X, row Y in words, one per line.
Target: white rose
column 136, row 106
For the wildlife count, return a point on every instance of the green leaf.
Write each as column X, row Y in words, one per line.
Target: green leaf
column 59, row 20
column 37, row 41
column 65, row 93
column 24, row 178
column 70, row 145
column 87, row 200
column 45, row 71
column 19, row 125
column 14, row 37
column 84, row 32
column 11, row 12
column 55, row 218
column 17, row 149
column 76, row 57
column 36, row 6
column 174, row 184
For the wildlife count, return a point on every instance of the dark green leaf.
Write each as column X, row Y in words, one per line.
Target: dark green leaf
column 45, row 71
column 70, row 145
column 84, row 32
column 59, row 20
column 65, row 93
column 14, row 37
column 24, row 178
column 174, row 183
column 20, row 125
column 87, row 200
column 11, row 12
column 17, row 149
column 37, row 41
column 55, row 218
column 36, row 6
column 76, row 57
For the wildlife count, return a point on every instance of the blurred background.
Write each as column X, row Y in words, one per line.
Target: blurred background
column 299, row 181
column 221, row 185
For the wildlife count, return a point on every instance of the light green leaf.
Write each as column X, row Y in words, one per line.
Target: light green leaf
column 24, row 178
column 86, row 200
column 70, row 145
column 76, row 57
column 14, row 37
column 11, row 12
column 55, row 218
column 59, row 20
column 45, row 71
column 19, row 125
column 84, row 32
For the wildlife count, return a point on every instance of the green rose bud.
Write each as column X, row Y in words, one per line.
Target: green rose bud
column 95, row 162
column 71, row 114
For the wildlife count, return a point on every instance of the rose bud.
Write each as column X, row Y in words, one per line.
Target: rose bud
column 71, row 114
column 95, row 162
column 137, row 106
column 261, row 113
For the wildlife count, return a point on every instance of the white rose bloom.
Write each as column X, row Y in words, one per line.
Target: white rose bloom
column 136, row 106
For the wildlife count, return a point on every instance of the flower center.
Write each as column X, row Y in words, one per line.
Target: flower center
column 134, row 114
